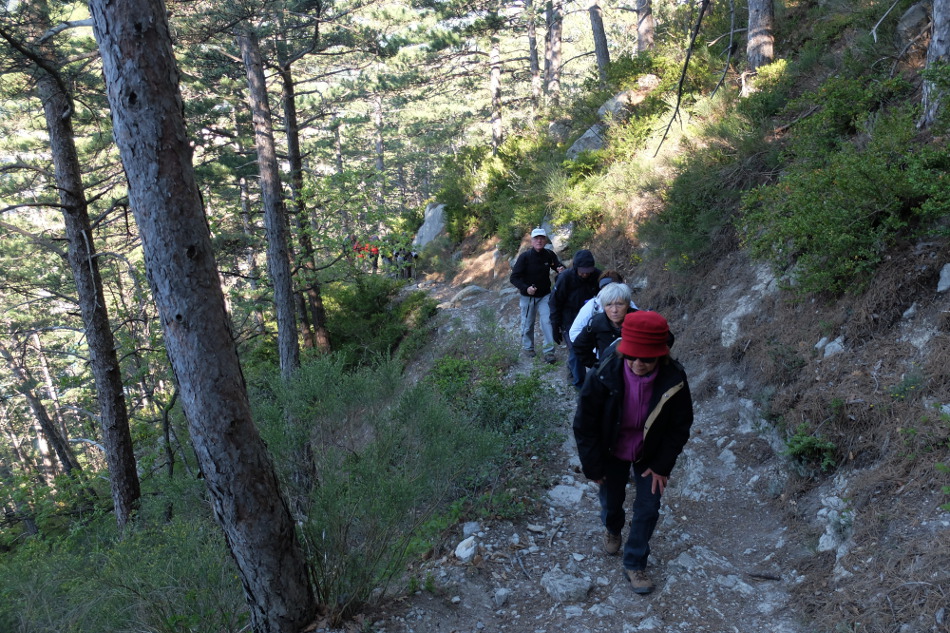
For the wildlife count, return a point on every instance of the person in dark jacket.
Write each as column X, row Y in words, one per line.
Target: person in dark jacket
column 634, row 413
column 572, row 290
column 531, row 275
column 604, row 327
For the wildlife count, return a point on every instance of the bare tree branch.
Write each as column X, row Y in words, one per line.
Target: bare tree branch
column 732, row 30
column 59, row 28
column 679, row 91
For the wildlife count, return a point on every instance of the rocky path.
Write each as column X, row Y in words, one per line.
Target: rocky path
column 722, row 559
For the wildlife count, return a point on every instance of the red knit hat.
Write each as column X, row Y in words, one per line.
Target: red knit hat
column 644, row 334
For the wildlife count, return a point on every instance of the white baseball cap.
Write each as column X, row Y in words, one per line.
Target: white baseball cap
column 538, row 232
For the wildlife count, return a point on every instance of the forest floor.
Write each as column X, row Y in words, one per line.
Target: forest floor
column 724, row 556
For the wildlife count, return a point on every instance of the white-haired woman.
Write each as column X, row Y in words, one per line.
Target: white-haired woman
column 604, row 327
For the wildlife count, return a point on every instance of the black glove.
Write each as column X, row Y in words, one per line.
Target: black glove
column 558, row 337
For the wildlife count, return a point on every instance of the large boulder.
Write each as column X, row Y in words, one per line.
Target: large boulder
column 913, row 23
column 559, row 130
column 619, row 106
column 592, row 139
column 432, row 226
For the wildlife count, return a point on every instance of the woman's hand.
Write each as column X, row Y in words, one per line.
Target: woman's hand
column 659, row 481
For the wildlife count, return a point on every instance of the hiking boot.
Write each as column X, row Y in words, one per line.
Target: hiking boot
column 528, row 352
column 549, row 358
column 639, row 581
column 611, row 543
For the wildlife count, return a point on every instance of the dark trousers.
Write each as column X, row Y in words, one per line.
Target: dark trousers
column 578, row 371
column 646, row 510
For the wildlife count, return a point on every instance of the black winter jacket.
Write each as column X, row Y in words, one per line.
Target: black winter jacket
column 599, row 409
column 593, row 341
column 533, row 268
column 571, row 291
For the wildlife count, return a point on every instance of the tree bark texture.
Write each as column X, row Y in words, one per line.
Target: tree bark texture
column 601, row 51
column 494, row 90
column 761, row 40
column 142, row 87
column 278, row 254
column 104, row 362
column 934, row 99
column 645, row 26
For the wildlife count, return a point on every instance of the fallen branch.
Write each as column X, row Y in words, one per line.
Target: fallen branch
column 782, row 128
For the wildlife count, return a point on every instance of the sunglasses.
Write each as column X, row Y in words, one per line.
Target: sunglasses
column 645, row 361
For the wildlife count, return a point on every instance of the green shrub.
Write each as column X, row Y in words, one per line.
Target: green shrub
column 811, row 449
column 773, row 85
column 908, row 387
column 365, row 322
column 374, row 471
column 167, row 578
column 376, row 497
column 829, row 221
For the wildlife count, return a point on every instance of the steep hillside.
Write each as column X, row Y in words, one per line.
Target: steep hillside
column 867, row 376
column 845, row 534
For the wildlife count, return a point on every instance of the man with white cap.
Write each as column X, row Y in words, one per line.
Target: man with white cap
column 531, row 275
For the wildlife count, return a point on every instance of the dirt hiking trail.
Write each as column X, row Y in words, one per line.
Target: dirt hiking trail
column 722, row 559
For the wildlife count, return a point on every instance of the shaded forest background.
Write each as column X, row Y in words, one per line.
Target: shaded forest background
column 318, row 133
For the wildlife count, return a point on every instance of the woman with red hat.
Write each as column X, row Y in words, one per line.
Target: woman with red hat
column 633, row 418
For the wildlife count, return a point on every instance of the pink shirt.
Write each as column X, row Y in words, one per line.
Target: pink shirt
column 636, row 407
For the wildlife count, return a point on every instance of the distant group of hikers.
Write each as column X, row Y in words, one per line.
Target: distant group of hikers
column 391, row 255
column 634, row 409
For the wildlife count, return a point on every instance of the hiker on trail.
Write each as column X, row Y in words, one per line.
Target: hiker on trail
column 604, row 327
column 572, row 289
column 531, row 275
column 633, row 418
column 593, row 306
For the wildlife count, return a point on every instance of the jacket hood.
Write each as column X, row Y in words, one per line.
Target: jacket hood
column 584, row 261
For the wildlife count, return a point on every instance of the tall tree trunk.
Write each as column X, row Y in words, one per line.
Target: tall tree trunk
column 27, row 464
column 761, row 39
column 552, row 51
column 378, row 139
column 250, row 255
column 934, row 99
column 337, row 126
column 316, row 334
column 48, row 428
column 113, row 412
column 51, row 391
column 601, row 51
column 16, row 507
column 278, row 257
column 494, row 89
column 534, row 64
column 149, row 129
column 645, row 26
